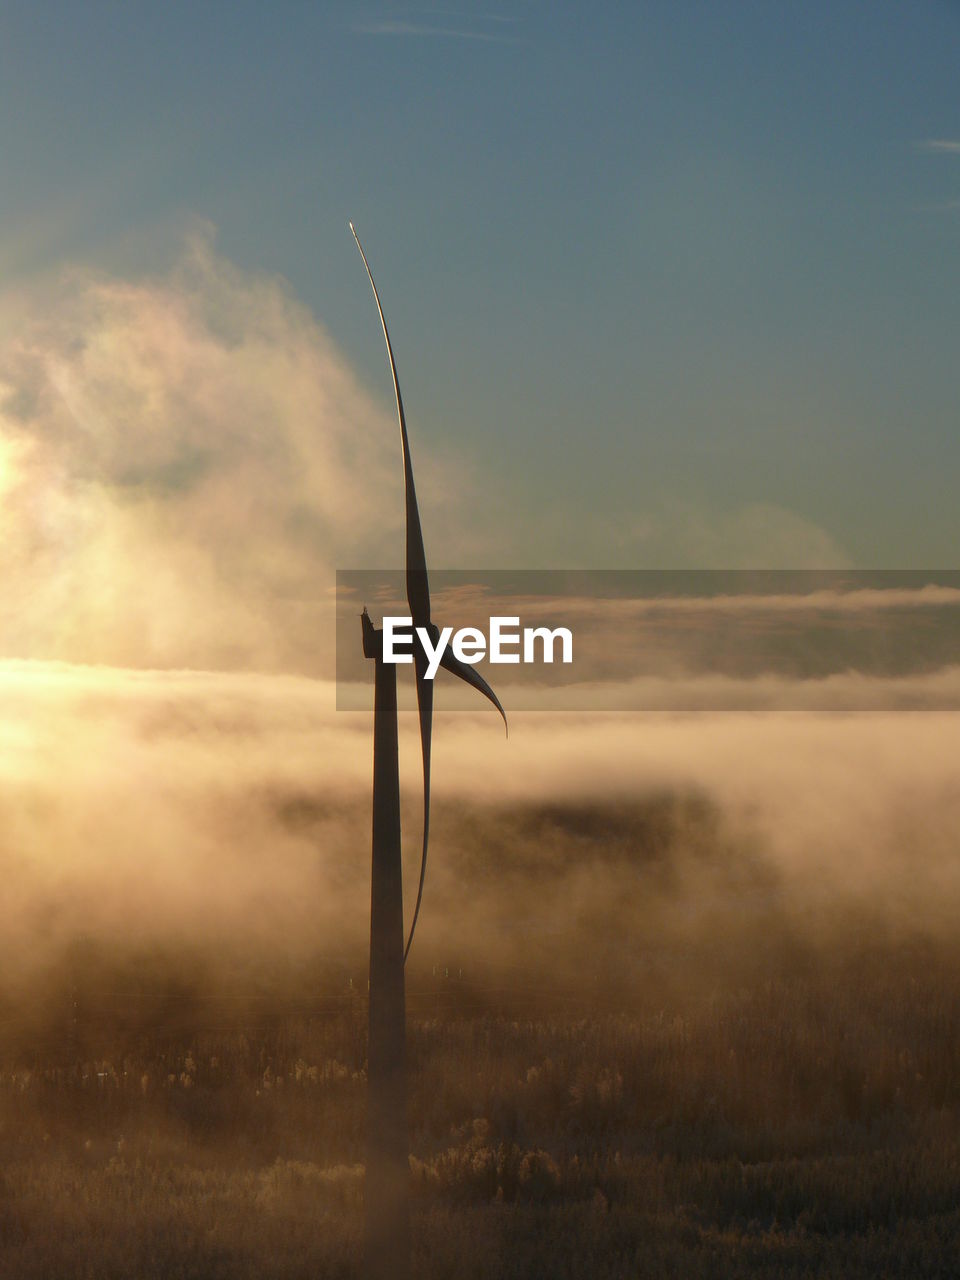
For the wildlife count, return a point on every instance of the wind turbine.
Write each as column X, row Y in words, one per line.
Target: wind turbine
column 386, row 1196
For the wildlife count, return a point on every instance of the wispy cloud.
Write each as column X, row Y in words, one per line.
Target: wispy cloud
column 180, row 459
column 938, row 206
column 391, row 27
column 229, row 808
column 946, row 146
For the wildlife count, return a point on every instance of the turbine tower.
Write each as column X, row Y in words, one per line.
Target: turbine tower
column 386, row 1196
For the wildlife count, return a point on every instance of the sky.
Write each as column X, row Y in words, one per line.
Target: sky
column 668, row 284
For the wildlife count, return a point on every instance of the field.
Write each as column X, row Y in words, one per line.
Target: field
column 804, row 1124
column 641, row 1045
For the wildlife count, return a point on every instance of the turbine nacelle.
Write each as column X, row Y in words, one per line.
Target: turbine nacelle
column 422, row 649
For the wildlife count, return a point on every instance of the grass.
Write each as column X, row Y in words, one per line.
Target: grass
column 804, row 1123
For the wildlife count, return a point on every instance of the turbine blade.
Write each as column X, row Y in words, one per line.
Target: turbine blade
column 472, row 677
column 418, row 597
column 418, row 590
column 425, row 708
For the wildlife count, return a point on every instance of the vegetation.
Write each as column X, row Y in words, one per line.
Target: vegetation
column 802, row 1122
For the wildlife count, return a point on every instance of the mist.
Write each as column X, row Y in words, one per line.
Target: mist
column 218, row 826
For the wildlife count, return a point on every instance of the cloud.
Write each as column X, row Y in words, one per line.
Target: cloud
column 182, row 461
column 667, row 532
column 229, row 815
column 185, row 458
column 831, row 600
column 948, row 146
column 939, row 206
column 391, row 27
column 759, row 535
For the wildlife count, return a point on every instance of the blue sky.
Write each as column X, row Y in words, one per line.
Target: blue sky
column 654, row 258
